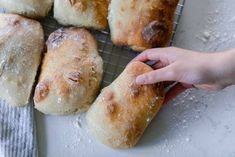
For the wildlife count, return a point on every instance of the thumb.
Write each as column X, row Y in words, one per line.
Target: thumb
column 160, row 75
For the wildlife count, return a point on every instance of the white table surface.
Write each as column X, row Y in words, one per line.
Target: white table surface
column 196, row 124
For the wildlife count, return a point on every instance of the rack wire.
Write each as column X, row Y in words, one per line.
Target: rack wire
column 115, row 57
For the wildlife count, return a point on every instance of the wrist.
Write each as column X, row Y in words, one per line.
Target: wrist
column 224, row 68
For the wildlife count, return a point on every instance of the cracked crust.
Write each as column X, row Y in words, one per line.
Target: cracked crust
column 124, row 109
column 71, row 73
column 142, row 24
column 82, row 13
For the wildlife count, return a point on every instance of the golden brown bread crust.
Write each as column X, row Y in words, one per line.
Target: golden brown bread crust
column 21, row 46
column 124, row 109
column 71, row 73
column 142, row 24
column 82, row 13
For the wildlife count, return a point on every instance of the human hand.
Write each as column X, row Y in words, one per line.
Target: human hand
column 207, row 71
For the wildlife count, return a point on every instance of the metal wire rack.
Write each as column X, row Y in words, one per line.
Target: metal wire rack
column 115, row 57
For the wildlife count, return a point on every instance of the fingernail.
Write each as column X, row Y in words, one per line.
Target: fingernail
column 139, row 80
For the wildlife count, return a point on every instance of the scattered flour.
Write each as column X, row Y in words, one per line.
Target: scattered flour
column 81, row 137
column 218, row 23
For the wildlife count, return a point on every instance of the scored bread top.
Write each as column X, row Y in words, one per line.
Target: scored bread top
column 124, row 109
column 21, row 46
column 142, row 24
column 71, row 73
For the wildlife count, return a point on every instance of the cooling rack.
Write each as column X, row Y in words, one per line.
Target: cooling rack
column 115, row 57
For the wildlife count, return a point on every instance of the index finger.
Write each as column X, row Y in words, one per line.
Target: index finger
column 151, row 54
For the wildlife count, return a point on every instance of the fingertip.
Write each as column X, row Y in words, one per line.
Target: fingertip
column 140, row 80
column 146, row 55
column 141, row 57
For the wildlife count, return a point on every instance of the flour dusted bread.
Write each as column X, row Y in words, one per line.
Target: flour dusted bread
column 141, row 24
column 21, row 46
column 82, row 13
column 29, row 8
column 71, row 73
column 124, row 109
